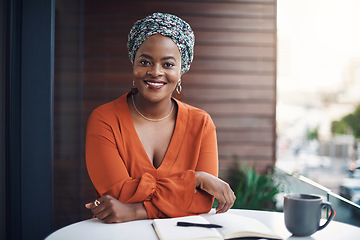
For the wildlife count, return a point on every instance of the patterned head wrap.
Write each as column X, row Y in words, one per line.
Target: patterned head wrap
column 167, row 25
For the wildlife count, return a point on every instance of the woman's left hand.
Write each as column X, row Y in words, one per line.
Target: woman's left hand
column 217, row 188
column 111, row 210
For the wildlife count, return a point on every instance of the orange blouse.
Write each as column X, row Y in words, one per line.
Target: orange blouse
column 119, row 166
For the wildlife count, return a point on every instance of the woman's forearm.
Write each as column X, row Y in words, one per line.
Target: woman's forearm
column 217, row 188
column 198, row 179
column 139, row 211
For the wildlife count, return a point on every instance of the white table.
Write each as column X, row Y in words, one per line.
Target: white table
column 143, row 230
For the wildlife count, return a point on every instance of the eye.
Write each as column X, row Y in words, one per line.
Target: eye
column 144, row 62
column 168, row 65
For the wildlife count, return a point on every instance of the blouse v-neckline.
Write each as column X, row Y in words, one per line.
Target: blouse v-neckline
column 175, row 141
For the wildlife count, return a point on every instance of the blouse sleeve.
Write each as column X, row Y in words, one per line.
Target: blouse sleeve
column 207, row 162
column 107, row 169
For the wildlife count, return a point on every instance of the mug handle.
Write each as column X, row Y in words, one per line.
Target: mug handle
column 332, row 213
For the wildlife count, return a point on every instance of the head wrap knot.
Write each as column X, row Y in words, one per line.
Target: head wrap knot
column 167, row 25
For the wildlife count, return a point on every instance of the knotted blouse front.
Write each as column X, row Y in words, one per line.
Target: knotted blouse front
column 119, row 166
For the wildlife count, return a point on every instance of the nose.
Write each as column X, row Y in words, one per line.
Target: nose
column 155, row 70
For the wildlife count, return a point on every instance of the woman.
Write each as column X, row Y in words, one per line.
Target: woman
column 148, row 154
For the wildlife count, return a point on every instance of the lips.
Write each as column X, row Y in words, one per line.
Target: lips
column 155, row 84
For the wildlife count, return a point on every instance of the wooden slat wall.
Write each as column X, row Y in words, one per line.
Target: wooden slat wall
column 232, row 78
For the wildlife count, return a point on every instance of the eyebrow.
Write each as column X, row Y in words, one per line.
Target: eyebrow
column 164, row 58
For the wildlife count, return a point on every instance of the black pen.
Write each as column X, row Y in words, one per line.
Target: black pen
column 189, row 224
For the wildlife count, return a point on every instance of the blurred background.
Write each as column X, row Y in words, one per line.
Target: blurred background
column 318, row 86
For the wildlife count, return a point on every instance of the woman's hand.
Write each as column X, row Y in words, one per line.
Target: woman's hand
column 217, row 188
column 111, row 210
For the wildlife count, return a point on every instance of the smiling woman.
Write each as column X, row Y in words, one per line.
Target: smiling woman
column 148, row 154
column 157, row 67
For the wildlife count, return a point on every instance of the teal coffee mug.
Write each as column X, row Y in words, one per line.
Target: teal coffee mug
column 302, row 213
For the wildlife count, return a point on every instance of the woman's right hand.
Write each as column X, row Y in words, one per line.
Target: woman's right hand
column 110, row 210
column 217, row 188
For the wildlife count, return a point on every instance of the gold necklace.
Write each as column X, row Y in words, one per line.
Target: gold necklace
column 151, row 119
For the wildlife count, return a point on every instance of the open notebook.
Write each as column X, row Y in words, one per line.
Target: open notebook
column 233, row 226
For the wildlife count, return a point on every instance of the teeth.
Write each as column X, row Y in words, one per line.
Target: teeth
column 155, row 84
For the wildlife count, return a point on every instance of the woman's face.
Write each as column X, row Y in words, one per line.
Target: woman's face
column 157, row 68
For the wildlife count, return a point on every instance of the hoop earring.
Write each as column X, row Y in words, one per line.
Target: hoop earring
column 134, row 90
column 177, row 94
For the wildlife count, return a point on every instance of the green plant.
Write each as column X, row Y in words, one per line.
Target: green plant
column 252, row 190
column 312, row 134
column 350, row 121
column 339, row 127
column 353, row 121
